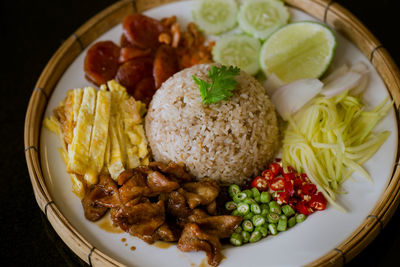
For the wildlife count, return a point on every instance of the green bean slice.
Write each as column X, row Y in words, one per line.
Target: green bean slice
column 247, row 225
column 265, row 197
column 230, row 205
column 262, row 229
column 288, row 210
column 258, row 220
column 255, row 236
column 282, row 223
column 239, row 197
column 236, row 239
column 273, row 217
column 233, row 190
column 243, row 208
column 292, row 222
column 245, row 236
column 272, row 229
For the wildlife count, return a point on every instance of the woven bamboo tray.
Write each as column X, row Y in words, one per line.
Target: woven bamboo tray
column 329, row 12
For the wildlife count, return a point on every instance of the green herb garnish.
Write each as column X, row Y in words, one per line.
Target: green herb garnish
column 222, row 84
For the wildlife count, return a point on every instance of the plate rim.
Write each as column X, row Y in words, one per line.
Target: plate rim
column 329, row 12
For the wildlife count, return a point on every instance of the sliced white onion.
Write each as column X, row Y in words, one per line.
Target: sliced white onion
column 347, row 81
column 272, row 83
column 362, row 85
column 336, row 74
column 289, row 98
column 360, row 67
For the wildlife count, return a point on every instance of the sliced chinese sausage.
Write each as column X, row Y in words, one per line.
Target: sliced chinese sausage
column 101, row 62
column 165, row 64
column 142, row 31
column 144, row 90
column 124, row 42
column 128, row 53
column 132, row 71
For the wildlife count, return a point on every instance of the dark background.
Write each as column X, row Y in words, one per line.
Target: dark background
column 31, row 32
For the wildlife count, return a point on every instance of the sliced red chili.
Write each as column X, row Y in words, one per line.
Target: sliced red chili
column 277, row 183
column 275, row 168
column 291, row 176
column 309, row 189
column 289, row 187
column 305, row 177
column 298, row 182
column 268, row 174
column 304, row 208
column 260, row 182
column 290, row 169
column 318, row 201
column 281, row 197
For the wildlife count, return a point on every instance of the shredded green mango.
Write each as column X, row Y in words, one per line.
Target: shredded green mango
column 331, row 138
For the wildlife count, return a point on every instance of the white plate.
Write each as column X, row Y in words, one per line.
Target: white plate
column 306, row 242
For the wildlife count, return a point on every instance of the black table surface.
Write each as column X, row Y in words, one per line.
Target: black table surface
column 32, row 31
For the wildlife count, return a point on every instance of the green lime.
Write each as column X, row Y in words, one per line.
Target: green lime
column 298, row 50
column 260, row 18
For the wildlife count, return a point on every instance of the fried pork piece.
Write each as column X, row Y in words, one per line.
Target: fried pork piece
column 203, row 192
column 204, row 232
column 143, row 181
column 195, row 239
column 182, row 213
column 99, row 198
column 167, row 232
column 172, row 169
column 223, row 226
column 141, row 220
column 177, row 208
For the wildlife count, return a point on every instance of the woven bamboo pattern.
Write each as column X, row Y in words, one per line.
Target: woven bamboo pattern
column 327, row 11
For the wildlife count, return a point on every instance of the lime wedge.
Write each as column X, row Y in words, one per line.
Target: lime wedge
column 215, row 16
column 242, row 51
column 260, row 18
column 298, row 50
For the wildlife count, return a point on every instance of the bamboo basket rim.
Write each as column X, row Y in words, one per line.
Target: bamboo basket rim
column 327, row 11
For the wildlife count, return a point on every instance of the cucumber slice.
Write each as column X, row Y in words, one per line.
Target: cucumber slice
column 260, row 18
column 238, row 50
column 215, row 16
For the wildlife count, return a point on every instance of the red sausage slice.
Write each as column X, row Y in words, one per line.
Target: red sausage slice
column 101, row 62
column 144, row 90
column 165, row 64
column 128, row 53
column 132, row 71
column 142, row 31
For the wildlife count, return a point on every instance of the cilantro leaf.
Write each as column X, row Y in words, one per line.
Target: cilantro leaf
column 222, row 84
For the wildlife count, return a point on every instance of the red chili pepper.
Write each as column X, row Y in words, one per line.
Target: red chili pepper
column 305, row 177
column 309, row 189
column 298, row 181
column 289, row 187
column 277, row 183
column 318, row 201
column 291, row 176
column 260, row 182
column 304, row 208
column 281, row 197
column 275, row 168
column 290, row 169
column 268, row 174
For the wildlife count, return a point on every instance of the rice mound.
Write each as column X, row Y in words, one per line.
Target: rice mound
column 230, row 141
